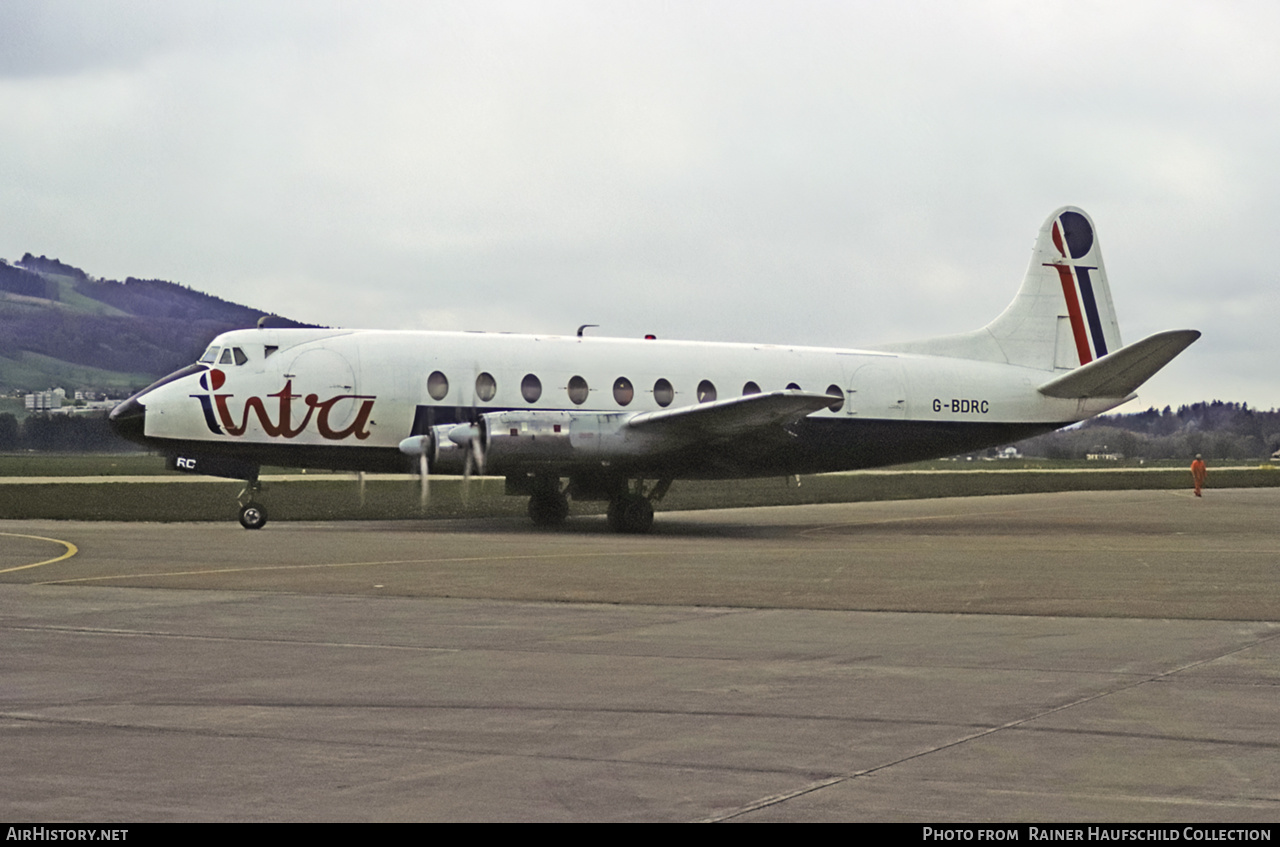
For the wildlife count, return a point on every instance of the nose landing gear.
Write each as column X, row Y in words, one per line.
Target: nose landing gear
column 253, row 515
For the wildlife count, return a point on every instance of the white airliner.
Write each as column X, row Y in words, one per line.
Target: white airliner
column 619, row 419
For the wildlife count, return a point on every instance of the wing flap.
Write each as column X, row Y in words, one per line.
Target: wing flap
column 723, row 418
column 1119, row 373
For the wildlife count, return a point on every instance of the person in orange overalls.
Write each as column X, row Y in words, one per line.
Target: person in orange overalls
column 1198, row 473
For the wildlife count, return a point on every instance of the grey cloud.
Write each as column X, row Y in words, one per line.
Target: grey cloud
column 828, row 173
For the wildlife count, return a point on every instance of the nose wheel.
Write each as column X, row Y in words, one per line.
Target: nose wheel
column 253, row 515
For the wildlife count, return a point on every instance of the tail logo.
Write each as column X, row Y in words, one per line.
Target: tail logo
column 1073, row 238
column 219, row 419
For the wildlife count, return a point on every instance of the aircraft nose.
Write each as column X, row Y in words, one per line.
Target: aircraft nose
column 129, row 420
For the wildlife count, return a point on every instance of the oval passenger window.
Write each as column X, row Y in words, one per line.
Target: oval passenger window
column 578, row 390
column 486, row 386
column 623, row 391
column 663, row 393
column 437, row 385
column 834, row 391
column 530, row 388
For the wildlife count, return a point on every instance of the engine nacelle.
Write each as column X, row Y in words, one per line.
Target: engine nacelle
column 519, row 439
column 524, row 438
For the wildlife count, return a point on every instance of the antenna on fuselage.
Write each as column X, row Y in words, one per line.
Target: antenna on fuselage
column 585, row 326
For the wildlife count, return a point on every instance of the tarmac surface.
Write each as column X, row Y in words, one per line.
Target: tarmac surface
column 1109, row 656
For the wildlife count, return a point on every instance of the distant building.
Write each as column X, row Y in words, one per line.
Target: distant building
column 53, row 402
column 42, row 401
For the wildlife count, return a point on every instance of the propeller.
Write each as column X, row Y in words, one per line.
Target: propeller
column 450, row 447
column 470, row 438
column 422, row 446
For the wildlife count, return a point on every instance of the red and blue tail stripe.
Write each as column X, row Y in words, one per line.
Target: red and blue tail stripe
column 1077, row 288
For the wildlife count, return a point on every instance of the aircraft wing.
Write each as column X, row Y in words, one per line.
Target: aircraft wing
column 738, row 415
column 1120, row 373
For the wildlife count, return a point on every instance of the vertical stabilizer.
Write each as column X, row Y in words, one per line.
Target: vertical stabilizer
column 1062, row 316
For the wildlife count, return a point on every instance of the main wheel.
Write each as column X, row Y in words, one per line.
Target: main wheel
column 549, row 508
column 638, row 517
column 630, row 513
column 253, row 516
column 617, row 506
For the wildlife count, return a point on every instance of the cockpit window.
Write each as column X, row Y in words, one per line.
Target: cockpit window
column 226, row 357
column 210, row 356
column 239, row 355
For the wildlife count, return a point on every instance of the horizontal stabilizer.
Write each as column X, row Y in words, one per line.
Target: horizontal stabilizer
column 723, row 418
column 1119, row 374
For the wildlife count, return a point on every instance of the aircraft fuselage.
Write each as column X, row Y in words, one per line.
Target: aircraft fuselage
column 346, row 399
column 610, row 413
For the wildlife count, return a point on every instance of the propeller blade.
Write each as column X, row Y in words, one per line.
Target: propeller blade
column 477, row 447
column 420, row 446
column 466, row 479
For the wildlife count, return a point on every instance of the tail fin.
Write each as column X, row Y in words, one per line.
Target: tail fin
column 1062, row 316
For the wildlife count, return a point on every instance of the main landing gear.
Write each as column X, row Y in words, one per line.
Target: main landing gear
column 630, row 504
column 253, row 515
column 549, row 507
column 632, row 511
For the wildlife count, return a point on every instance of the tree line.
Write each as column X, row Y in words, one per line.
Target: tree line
column 60, row 434
column 1217, row 430
column 17, row 281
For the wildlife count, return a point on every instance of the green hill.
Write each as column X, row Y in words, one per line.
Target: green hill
column 59, row 326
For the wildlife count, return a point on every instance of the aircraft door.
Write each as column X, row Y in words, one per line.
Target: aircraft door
column 877, row 391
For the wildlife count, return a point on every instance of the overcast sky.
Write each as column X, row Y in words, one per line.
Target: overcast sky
column 838, row 173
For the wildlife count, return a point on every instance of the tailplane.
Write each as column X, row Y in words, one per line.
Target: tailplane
column 1120, row 373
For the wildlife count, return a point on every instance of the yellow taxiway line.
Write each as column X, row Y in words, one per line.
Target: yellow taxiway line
column 71, row 551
